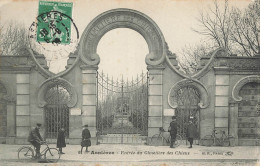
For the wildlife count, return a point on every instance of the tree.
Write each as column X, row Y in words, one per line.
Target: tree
column 13, row 37
column 191, row 54
column 216, row 24
column 245, row 29
column 233, row 29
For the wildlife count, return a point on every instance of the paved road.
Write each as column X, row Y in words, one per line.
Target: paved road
column 134, row 155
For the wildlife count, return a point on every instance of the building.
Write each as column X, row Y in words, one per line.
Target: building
column 224, row 94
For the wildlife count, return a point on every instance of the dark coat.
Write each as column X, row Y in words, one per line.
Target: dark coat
column 61, row 139
column 35, row 136
column 86, row 138
column 191, row 131
column 173, row 130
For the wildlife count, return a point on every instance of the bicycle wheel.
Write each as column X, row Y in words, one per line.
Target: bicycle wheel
column 25, row 153
column 208, row 140
column 224, row 142
column 178, row 140
column 158, row 140
column 52, row 155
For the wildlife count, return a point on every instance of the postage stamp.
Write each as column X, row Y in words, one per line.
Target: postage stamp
column 54, row 22
column 54, row 33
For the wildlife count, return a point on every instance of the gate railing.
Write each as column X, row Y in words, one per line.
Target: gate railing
column 122, row 106
column 56, row 111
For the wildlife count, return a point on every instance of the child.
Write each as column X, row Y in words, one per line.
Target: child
column 85, row 138
column 61, row 140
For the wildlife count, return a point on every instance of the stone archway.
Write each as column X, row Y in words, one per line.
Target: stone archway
column 245, row 124
column 122, row 18
column 243, row 81
column 188, row 97
column 49, row 84
column 56, row 97
column 204, row 98
column 99, row 26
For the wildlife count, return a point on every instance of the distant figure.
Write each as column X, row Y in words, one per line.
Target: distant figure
column 85, row 138
column 61, row 140
column 35, row 139
column 173, row 131
column 191, row 132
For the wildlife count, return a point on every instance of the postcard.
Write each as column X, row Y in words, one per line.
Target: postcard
column 129, row 82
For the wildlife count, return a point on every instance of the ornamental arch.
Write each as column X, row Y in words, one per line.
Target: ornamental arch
column 246, row 92
column 188, row 97
column 56, row 97
column 139, row 22
column 122, row 18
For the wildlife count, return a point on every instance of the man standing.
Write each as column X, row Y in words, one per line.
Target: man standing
column 191, row 131
column 35, row 139
column 85, row 138
column 173, row 131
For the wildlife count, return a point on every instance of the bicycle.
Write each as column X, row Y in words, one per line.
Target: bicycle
column 212, row 139
column 161, row 139
column 50, row 154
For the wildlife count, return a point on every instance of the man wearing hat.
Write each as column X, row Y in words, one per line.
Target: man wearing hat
column 85, row 138
column 173, row 131
column 35, row 139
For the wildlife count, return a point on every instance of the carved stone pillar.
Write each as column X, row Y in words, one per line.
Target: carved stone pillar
column 233, row 124
column 89, row 98
column 221, row 99
column 22, row 108
column 155, row 99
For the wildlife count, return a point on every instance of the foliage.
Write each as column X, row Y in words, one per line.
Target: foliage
column 227, row 27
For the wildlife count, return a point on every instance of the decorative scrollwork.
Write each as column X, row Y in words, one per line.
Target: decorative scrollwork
column 50, row 84
column 122, row 18
column 237, row 87
column 204, row 96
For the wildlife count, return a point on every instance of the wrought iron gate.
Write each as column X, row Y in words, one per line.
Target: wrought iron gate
column 122, row 110
column 188, row 98
column 56, row 111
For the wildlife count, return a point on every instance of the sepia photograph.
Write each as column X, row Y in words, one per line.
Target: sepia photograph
column 130, row 82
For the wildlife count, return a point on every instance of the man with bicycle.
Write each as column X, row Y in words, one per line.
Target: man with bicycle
column 35, row 139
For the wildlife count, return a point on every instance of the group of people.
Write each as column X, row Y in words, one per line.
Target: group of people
column 36, row 140
column 190, row 132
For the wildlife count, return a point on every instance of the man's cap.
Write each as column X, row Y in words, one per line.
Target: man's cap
column 39, row 124
column 85, row 125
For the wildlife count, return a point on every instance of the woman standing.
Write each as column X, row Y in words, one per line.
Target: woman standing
column 61, row 140
column 191, row 131
column 85, row 138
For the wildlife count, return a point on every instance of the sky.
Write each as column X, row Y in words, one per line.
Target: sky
column 122, row 51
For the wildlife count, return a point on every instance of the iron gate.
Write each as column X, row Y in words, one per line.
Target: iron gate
column 56, row 111
column 122, row 110
column 188, row 98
